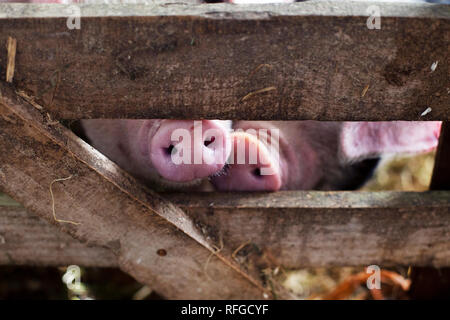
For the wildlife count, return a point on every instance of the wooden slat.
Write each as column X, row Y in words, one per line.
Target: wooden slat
column 441, row 172
column 316, row 60
column 28, row 240
column 155, row 242
column 304, row 229
column 315, row 229
column 427, row 282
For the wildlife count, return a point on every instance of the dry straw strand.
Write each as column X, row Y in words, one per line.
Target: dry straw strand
column 53, row 201
column 247, row 96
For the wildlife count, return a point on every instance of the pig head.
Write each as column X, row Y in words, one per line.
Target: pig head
column 303, row 155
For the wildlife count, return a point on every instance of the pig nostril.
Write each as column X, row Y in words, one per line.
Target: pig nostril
column 257, row 173
column 208, row 142
column 171, row 149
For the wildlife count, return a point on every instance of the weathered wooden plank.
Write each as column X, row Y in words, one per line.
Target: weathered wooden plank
column 441, row 172
column 319, row 60
column 427, row 282
column 25, row 239
column 312, row 229
column 329, row 228
column 44, row 165
column 162, row 8
column 6, row 201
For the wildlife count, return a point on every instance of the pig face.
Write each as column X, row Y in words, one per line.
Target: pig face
column 163, row 153
column 275, row 148
column 316, row 155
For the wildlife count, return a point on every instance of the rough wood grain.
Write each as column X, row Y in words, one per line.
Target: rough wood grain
column 199, row 61
column 328, row 228
column 312, row 229
column 25, row 239
column 110, row 209
column 427, row 282
column 441, row 172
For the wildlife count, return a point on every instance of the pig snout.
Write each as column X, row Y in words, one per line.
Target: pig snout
column 184, row 151
column 252, row 166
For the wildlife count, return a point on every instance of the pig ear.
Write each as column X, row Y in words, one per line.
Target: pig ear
column 361, row 140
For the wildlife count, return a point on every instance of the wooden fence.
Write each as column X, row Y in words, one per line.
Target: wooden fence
column 310, row 60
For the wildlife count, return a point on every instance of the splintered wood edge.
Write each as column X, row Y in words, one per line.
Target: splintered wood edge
column 10, row 68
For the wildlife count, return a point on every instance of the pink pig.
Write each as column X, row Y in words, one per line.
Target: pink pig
column 317, row 155
column 163, row 153
column 275, row 155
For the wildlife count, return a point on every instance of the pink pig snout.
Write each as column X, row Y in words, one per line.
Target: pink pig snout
column 184, row 151
column 253, row 166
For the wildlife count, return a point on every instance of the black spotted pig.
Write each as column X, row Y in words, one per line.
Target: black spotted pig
column 317, row 155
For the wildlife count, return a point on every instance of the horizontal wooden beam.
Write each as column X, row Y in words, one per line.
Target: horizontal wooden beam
column 25, row 239
column 309, row 60
column 60, row 178
column 292, row 229
column 165, row 8
column 312, row 229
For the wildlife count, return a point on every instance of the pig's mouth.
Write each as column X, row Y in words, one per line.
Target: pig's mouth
column 223, row 172
column 176, row 185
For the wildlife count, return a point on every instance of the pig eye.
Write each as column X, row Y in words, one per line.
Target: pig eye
column 257, row 173
column 208, row 142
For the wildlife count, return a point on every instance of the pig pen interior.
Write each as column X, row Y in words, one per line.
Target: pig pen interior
column 49, row 132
